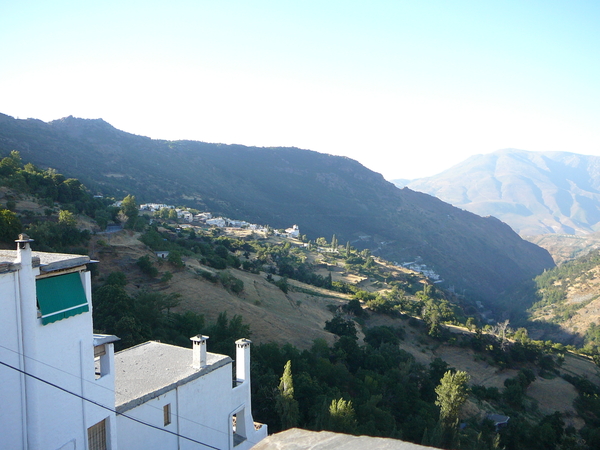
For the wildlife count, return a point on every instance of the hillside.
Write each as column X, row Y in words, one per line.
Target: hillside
column 323, row 194
column 566, row 247
column 569, row 296
column 393, row 365
column 534, row 192
column 298, row 317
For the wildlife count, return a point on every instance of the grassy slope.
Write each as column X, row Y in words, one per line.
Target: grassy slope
column 298, row 318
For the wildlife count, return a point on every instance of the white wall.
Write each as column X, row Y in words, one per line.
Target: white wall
column 59, row 353
column 12, row 383
column 132, row 435
column 206, row 401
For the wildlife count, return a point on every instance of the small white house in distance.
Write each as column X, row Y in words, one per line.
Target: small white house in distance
column 62, row 388
column 217, row 222
column 293, row 232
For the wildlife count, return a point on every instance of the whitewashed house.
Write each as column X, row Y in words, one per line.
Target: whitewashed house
column 51, row 397
column 201, row 217
column 217, row 222
column 293, row 232
column 64, row 388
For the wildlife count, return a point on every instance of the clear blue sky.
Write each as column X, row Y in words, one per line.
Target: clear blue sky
column 408, row 88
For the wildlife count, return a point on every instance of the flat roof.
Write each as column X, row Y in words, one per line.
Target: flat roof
column 151, row 369
column 49, row 261
column 297, row 439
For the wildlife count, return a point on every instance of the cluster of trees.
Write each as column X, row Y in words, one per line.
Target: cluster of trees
column 56, row 230
column 213, row 252
column 377, row 389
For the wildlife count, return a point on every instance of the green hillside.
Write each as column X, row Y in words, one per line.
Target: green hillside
column 323, row 194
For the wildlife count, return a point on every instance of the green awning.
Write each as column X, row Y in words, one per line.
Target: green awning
column 61, row 297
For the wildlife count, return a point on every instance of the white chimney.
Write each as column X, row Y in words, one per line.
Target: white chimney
column 199, row 351
column 24, row 249
column 242, row 360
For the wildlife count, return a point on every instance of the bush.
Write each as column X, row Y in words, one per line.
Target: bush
column 341, row 327
column 282, row 284
column 208, row 276
column 231, row 283
column 147, row 267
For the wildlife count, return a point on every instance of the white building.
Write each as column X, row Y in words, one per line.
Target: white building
column 238, row 223
column 217, row 222
column 51, row 397
column 64, row 388
column 188, row 392
column 293, row 232
column 200, row 217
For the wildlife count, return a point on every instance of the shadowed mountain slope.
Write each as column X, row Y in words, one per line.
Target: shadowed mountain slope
column 535, row 193
column 323, row 194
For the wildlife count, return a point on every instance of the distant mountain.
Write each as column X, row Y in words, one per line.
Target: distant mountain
column 534, row 192
column 401, row 182
column 323, row 194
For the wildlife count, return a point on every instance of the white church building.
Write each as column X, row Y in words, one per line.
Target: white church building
column 64, row 388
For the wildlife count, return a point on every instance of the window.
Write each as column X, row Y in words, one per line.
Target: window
column 238, row 426
column 167, row 414
column 60, row 297
column 99, row 358
column 97, row 436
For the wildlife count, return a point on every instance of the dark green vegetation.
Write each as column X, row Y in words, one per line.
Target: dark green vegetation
column 56, row 229
column 378, row 389
column 324, row 194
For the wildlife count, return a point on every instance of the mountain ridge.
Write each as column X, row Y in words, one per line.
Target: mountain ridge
column 324, row 194
column 534, row 192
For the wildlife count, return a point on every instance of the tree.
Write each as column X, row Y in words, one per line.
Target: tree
column 117, row 278
column 129, row 208
column 146, row 266
column 286, row 404
column 175, row 259
column 10, row 226
column 10, row 164
column 342, row 416
column 66, row 218
column 338, row 325
column 452, row 393
column 321, row 241
column 102, row 217
column 167, row 276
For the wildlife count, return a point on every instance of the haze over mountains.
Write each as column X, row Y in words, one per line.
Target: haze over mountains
column 534, row 192
column 323, row 194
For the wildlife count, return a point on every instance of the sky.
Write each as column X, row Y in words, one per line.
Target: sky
column 407, row 88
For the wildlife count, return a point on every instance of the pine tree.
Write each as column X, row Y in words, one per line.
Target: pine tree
column 286, row 405
column 452, row 393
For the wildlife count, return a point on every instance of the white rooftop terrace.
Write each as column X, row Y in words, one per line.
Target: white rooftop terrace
column 150, row 369
column 48, row 262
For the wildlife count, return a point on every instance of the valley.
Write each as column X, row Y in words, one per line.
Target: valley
column 355, row 324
